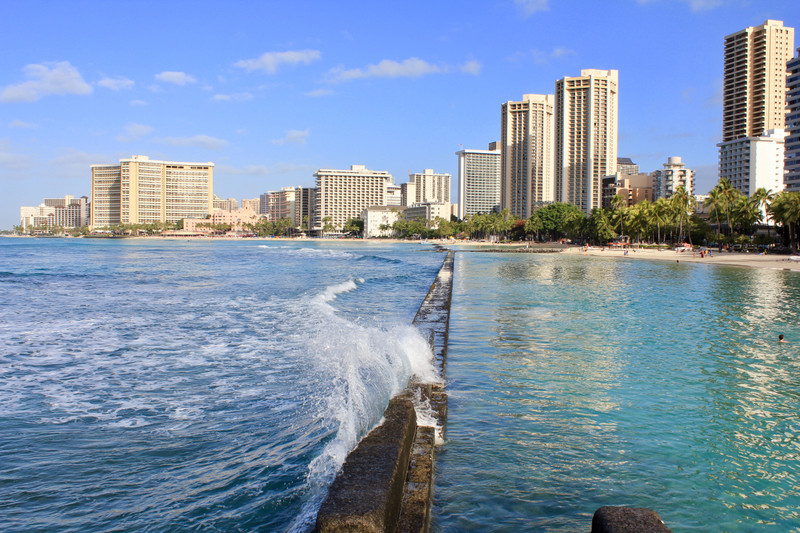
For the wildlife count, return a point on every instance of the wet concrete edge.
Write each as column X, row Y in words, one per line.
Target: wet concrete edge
column 386, row 482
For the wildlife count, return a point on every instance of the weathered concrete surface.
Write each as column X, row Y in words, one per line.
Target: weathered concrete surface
column 627, row 520
column 386, row 483
column 415, row 513
column 433, row 316
column 367, row 494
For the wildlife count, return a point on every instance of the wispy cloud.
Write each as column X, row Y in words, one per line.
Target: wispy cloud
column 293, row 137
column 137, row 102
column 175, row 78
column 116, row 84
column 270, row 61
column 319, row 92
column 239, row 97
column 541, row 57
column 45, row 79
column 412, row 67
column 9, row 160
column 281, row 169
column 200, row 141
column 471, row 67
column 694, row 5
column 529, row 7
column 133, row 132
column 21, row 124
column 75, row 163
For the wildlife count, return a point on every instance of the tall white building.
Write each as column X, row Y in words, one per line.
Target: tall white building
column 754, row 101
column 673, row 175
column 140, row 191
column 792, row 155
column 526, row 144
column 430, row 186
column 344, row 194
column 586, row 136
column 478, row 181
column 750, row 163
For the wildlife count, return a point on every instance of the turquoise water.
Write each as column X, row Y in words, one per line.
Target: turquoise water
column 187, row 386
column 580, row 382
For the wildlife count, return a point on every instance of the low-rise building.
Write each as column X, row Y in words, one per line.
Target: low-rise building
column 633, row 188
column 236, row 219
column 378, row 220
column 428, row 212
column 67, row 212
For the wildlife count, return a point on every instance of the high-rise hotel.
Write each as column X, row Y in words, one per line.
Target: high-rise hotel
column 344, row 194
column 792, row 156
column 140, row 191
column 754, row 106
column 586, row 109
column 527, row 154
column 478, row 181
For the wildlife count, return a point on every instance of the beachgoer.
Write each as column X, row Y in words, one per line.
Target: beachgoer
column 780, row 338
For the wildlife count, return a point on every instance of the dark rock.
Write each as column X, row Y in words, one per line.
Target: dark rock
column 627, row 520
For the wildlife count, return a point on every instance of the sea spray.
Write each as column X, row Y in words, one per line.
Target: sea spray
column 363, row 367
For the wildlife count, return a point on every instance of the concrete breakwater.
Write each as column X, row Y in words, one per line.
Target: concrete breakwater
column 386, row 482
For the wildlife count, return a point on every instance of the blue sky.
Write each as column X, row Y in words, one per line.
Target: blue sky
column 272, row 91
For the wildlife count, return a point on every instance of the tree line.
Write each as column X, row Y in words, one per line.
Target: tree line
column 731, row 218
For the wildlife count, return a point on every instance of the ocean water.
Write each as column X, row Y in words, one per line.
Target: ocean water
column 185, row 386
column 217, row 386
column 580, row 382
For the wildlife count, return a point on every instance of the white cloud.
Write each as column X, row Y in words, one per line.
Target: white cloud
column 281, row 169
column 138, row 102
column 319, row 92
column 200, row 141
column 116, row 84
column 21, row 124
column 270, row 61
column 239, row 97
column 45, row 79
column 293, row 137
column 74, row 163
column 529, row 7
column 134, row 131
column 471, row 67
column 175, row 78
column 541, row 57
column 409, row 68
column 10, row 160
column 694, row 5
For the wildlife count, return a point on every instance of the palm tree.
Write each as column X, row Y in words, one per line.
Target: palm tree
column 660, row 213
column 618, row 205
column 785, row 210
column 681, row 202
column 715, row 203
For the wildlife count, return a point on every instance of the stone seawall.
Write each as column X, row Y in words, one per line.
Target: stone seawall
column 386, row 483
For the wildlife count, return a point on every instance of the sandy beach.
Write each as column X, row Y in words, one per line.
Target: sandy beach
column 774, row 262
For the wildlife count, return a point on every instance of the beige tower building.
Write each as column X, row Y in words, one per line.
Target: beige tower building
column 344, row 194
column 430, row 187
column 526, row 146
column 754, row 100
column 141, row 191
column 754, row 97
column 586, row 136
